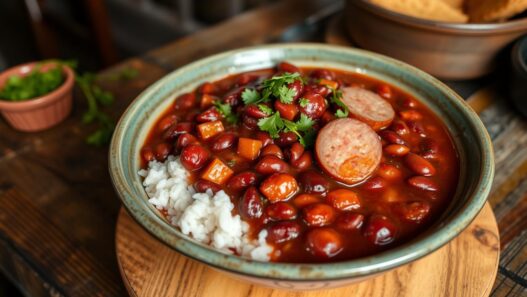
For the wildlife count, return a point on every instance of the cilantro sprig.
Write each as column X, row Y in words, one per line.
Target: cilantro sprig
column 336, row 98
column 226, row 110
column 276, row 86
column 303, row 127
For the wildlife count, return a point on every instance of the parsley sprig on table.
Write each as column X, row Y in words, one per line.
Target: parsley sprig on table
column 226, row 110
column 276, row 86
column 303, row 127
column 336, row 98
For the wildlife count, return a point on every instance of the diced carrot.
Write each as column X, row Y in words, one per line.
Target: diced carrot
column 217, row 172
column 329, row 83
column 249, row 148
column 210, row 129
column 207, row 100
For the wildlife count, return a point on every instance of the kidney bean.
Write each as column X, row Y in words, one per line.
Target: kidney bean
column 166, row 122
column 191, row 116
column 429, row 148
column 327, row 117
column 322, row 74
column 298, row 87
column 417, row 127
column 272, row 150
column 319, row 214
column 344, row 199
column 419, row 165
column 286, row 139
column 349, row 221
column 304, row 162
column 389, row 172
column 283, row 231
column 177, row 129
column 246, row 78
column 305, row 199
column 242, row 180
column 384, row 91
column 294, row 152
column 194, row 157
column 223, row 141
column 249, row 122
column 183, row 140
column 410, row 115
column 254, row 111
column 287, row 67
column 279, row 187
column 414, row 211
column 313, row 182
column 324, row 242
column 265, row 138
column 400, row 127
column 391, row 137
column 287, row 111
column 315, row 107
column 251, row 204
column 281, row 211
column 375, row 183
column 396, row 150
column 185, row 101
column 233, row 98
column 162, row 151
column 380, row 230
column 207, row 88
column 147, row 154
column 423, row 183
column 271, row 164
column 209, row 115
column 321, row 90
column 201, row 186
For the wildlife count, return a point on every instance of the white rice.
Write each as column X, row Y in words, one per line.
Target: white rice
column 206, row 217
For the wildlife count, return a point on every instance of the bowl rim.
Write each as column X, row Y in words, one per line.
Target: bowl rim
column 518, row 56
column 42, row 100
column 360, row 267
column 444, row 27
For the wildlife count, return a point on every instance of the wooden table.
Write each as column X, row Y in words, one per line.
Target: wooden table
column 58, row 208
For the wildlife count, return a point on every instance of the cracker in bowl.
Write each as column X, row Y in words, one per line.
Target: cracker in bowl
column 494, row 10
column 436, row 10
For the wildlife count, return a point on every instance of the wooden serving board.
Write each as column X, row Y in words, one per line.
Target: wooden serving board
column 466, row 267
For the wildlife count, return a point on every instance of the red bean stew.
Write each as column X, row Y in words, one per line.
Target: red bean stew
column 335, row 165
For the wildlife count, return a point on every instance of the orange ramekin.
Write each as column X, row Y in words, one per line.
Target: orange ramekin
column 42, row 112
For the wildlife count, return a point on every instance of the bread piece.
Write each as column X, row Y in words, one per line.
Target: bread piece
column 436, row 10
column 457, row 4
column 494, row 10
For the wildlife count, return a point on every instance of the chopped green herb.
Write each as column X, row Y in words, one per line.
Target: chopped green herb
column 272, row 124
column 226, row 110
column 336, row 96
column 251, row 96
column 277, row 86
column 265, row 109
column 35, row 84
column 304, row 123
column 309, row 138
column 303, row 102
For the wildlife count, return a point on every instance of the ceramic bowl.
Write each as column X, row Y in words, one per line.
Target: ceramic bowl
column 469, row 134
column 42, row 112
column 447, row 50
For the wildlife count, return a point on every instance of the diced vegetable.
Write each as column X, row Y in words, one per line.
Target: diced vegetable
column 217, row 172
column 249, row 148
column 207, row 101
column 329, row 83
column 210, row 129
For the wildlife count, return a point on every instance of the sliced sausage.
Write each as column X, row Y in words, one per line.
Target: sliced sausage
column 348, row 150
column 368, row 107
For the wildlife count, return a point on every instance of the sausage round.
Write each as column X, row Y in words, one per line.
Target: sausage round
column 368, row 107
column 348, row 150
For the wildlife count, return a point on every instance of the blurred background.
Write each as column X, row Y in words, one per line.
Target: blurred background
column 99, row 33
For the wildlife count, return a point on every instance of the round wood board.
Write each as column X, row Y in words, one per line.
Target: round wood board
column 466, row 267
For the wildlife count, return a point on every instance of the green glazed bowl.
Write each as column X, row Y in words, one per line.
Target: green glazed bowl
column 470, row 137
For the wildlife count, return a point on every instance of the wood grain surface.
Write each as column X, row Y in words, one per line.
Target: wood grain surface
column 465, row 267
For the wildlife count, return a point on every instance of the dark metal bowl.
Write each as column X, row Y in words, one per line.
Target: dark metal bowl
column 446, row 50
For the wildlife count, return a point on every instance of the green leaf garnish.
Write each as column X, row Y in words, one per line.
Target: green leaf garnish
column 37, row 83
column 303, row 102
column 226, row 110
column 336, row 96
column 272, row 124
column 251, row 96
column 266, row 109
column 277, row 86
